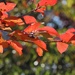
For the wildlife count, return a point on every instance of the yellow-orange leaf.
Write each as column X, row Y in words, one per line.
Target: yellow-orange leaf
column 12, row 20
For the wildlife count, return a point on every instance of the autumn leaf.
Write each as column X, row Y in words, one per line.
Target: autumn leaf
column 41, row 10
column 7, row 7
column 26, row 38
column 71, row 30
column 3, row 42
column 17, row 46
column 12, row 20
column 62, row 47
column 29, row 19
column 6, row 29
column 39, row 43
column 52, row 2
column 66, row 36
column 3, row 15
column 1, row 49
column 32, row 27
column 49, row 30
column 46, row 2
column 39, row 51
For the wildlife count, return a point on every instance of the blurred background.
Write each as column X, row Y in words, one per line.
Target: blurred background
column 61, row 17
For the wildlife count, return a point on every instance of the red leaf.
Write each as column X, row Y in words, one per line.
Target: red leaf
column 41, row 10
column 73, row 38
column 47, row 2
column 1, row 49
column 32, row 27
column 7, row 7
column 71, row 30
column 62, row 47
column 17, row 46
column 52, row 2
column 39, row 43
column 29, row 19
column 3, row 14
column 39, row 51
column 49, row 30
column 5, row 44
column 66, row 36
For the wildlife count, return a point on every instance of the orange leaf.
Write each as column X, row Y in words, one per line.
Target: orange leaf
column 7, row 7
column 71, row 30
column 39, row 51
column 12, row 20
column 39, row 43
column 29, row 19
column 1, row 49
column 36, row 41
column 49, row 30
column 47, row 2
column 66, row 36
column 3, row 14
column 41, row 10
column 17, row 46
column 62, row 47
column 52, row 2
column 73, row 38
column 32, row 27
